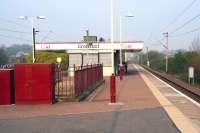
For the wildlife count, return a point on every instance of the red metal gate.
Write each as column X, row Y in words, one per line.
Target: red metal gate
column 64, row 85
column 34, row 83
column 6, row 86
column 68, row 87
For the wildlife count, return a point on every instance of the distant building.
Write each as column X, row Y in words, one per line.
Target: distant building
column 20, row 53
column 20, row 57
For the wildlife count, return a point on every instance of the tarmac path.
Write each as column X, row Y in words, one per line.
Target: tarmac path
column 138, row 112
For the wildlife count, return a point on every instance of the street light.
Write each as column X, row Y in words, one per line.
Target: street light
column 31, row 20
column 112, row 32
column 121, row 39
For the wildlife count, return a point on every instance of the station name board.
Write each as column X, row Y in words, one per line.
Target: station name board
column 138, row 46
column 87, row 46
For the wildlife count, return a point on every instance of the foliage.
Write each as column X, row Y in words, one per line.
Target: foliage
column 195, row 62
column 156, row 59
column 178, row 63
column 50, row 57
column 3, row 56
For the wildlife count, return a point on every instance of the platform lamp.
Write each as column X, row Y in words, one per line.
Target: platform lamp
column 59, row 60
column 31, row 20
column 121, row 36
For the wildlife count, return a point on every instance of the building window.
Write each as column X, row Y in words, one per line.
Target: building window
column 90, row 59
column 105, row 58
column 75, row 59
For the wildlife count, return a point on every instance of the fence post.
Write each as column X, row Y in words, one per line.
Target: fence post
column 75, row 86
column 102, row 71
column 87, row 76
column 121, row 72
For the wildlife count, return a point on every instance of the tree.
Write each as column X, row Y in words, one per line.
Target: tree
column 194, row 60
column 178, row 63
column 3, row 56
column 101, row 39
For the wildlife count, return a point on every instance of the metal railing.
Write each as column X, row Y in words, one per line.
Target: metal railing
column 68, row 87
column 86, row 77
column 6, row 66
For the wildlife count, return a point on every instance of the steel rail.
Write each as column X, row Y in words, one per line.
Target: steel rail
column 191, row 91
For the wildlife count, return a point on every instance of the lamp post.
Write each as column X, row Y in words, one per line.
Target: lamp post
column 121, row 36
column 112, row 33
column 31, row 20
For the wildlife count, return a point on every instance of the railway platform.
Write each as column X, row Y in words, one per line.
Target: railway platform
column 145, row 104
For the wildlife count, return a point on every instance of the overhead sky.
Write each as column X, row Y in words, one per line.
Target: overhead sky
column 67, row 20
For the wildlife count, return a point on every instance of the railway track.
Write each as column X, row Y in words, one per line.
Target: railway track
column 183, row 87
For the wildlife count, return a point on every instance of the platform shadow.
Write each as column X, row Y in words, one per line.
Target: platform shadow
column 132, row 72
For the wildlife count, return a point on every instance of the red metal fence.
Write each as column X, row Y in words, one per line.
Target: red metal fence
column 45, row 83
column 86, row 76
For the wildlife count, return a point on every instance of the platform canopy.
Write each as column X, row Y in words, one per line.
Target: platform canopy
column 129, row 46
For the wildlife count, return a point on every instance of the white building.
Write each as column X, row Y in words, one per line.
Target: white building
column 81, row 53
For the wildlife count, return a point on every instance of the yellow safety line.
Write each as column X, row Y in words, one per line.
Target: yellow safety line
column 182, row 123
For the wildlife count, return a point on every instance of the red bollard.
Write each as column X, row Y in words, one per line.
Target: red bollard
column 121, row 72
column 112, row 89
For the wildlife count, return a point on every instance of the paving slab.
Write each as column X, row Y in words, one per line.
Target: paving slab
column 131, row 121
column 140, row 112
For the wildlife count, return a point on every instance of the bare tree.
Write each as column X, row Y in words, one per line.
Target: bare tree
column 195, row 46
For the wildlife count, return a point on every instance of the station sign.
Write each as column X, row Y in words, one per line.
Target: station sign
column 191, row 72
column 130, row 46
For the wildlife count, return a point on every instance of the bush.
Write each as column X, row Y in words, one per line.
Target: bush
column 50, row 57
column 178, row 63
column 156, row 59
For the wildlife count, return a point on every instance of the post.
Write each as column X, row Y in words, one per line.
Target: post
column 33, row 37
column 167, row 36
column 121, row 37
column 112, row 89
column 167, row 48
column 112, row 33
column 75, row 85
column 120, row 41
column 148, row 64
column 121, row 66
